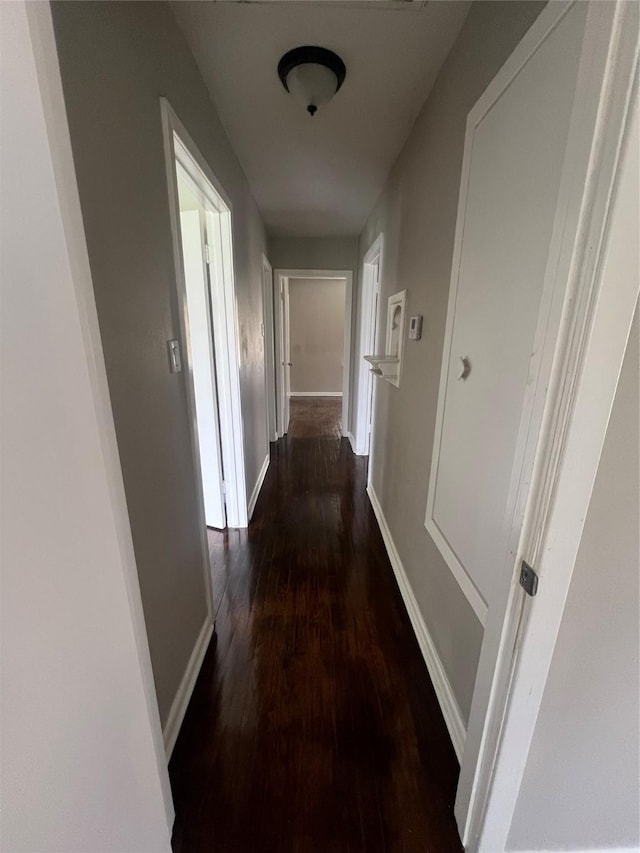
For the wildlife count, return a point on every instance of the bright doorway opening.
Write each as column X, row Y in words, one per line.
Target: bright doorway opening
column 194, row 232
column 313, row 338
column 208, row 349
column 369, row 342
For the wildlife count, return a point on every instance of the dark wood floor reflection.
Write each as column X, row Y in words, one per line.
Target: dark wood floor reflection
column 315, row 417
column 313, row 727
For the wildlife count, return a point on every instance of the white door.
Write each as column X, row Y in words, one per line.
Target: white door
column 373, row 338
column 201, row 361
column 284, row 366
column 269, row 349
column 514, row 158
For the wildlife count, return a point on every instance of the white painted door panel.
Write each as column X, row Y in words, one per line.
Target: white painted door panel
column 515, row 167
column 269, row 350
column 286, row 356
column 201, row 361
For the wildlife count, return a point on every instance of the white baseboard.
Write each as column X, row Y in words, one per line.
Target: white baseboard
column 182, row 697
column 444, row 692
column 585, row 850
column 358, row 451
column 315, row 393
column 256, row 489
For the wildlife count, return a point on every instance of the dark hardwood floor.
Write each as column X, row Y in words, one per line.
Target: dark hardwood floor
column 313, row 727
column 315, row 417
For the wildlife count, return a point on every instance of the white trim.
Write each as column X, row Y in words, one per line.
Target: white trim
column 315, row 393
column 586, row 356
column 346, row 360
column 368, row 345
column 256, row 489
column 281, row 286
column 280, row 315
column 585, row 850
column 268, row 341
column 446, row 697
column 179, row 147
column 181, row 700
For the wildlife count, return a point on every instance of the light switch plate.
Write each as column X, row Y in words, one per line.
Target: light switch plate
column 415, row 327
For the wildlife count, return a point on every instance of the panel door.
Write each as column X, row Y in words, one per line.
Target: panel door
column 516, row 158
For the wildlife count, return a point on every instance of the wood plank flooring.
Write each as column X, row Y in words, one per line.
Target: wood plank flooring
column 315, row 417
column 313, row 727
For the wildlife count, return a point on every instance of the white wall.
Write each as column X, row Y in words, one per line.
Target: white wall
column 82, row 757
column 316, row 334
column 581, row 786
column 417, row 214
column 117, row 59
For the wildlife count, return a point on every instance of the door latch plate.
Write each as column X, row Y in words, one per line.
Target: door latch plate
column 528, row 578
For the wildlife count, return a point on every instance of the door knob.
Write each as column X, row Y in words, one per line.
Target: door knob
column 464, row 368
column 290, row 363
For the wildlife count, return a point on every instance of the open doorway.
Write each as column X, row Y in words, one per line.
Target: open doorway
column 269, row 349
column 195, row 243
column 208, row 350
column 313, row 341
column 362, row 439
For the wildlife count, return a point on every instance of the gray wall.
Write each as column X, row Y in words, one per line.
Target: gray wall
column 417, row 213
column 582, row 770
column 316, row 334
column 117, row 59
column 314, row 253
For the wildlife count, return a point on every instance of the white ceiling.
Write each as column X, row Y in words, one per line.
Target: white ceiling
column 319, row 176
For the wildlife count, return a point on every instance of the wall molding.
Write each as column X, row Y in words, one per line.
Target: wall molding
column 315, row 393
column 584, row 850
column 448, row 704
column 181, row 700
column 358, row 451
column 256, row 489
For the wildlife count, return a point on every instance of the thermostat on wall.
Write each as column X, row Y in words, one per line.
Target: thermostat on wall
column 415, row 327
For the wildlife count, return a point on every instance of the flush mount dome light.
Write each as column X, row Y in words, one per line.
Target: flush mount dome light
column 312, row 74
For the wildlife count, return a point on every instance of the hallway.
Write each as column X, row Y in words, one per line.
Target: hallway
column 313, row 726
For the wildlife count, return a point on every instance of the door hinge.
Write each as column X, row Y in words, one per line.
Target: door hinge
column 207, row 253
column 224, row 488
column 528, row 578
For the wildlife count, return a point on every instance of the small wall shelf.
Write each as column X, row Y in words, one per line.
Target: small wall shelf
column 388, row 365
column 385, row 366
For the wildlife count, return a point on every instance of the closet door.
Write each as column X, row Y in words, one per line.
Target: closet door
column 509, row 197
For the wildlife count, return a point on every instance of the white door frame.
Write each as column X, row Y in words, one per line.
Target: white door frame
column 369, row 338
column 179, row 147
column 281, row 278
column 593, row 309
column 281, row 332
column 268, row 335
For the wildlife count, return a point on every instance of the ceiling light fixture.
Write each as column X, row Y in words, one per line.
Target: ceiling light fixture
column 312, row 74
